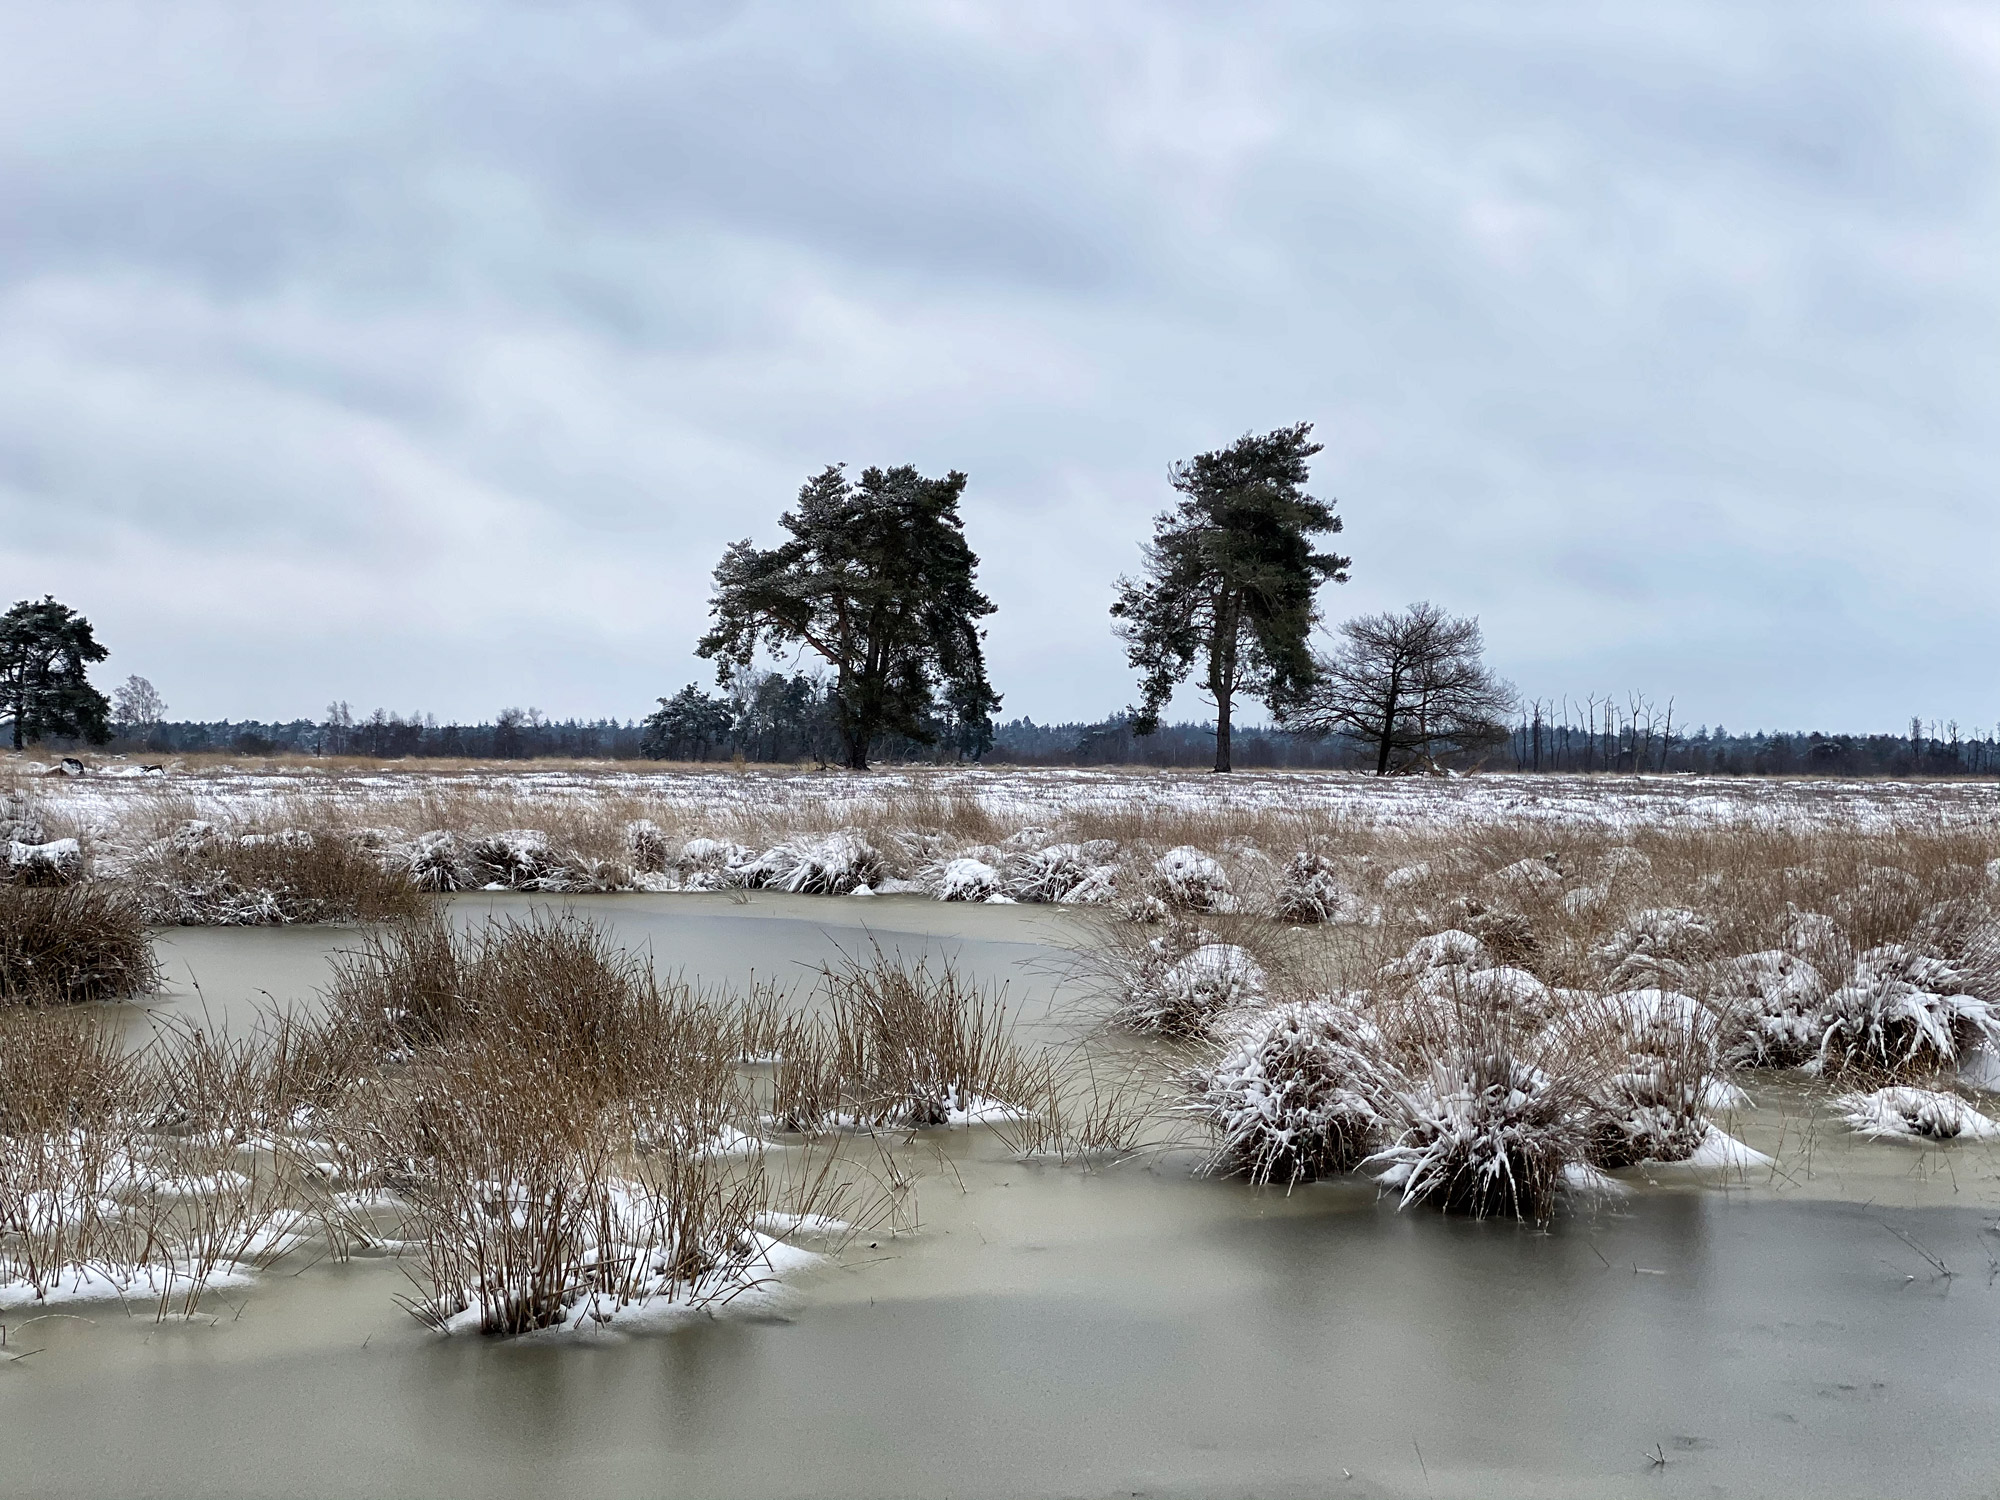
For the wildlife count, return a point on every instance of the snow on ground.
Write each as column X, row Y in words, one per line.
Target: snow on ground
column 1028, row 795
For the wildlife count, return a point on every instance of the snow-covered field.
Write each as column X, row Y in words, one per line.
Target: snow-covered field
column 106, row 793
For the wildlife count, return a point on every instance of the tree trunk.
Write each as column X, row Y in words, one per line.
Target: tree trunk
column 1388, row 730
column 1222, row 673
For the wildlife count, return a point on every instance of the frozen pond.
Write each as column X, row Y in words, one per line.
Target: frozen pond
column 1052, row 1331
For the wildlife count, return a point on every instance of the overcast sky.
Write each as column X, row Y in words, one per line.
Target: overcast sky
column 427, row 355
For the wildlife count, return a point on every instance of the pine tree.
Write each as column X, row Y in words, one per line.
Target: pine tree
column 878, row 580
column 1231, row 578
column 44, row 650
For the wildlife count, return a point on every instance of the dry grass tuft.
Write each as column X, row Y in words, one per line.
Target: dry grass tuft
column 60, row 945
column 203, row 877
column 898, row 1044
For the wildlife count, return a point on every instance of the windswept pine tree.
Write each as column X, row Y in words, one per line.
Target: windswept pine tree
column 45, row 651
column 878, row 580
column 1232, row 581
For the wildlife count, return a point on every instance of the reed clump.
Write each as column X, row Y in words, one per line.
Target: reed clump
column 565, row 1141
column 574, row 1139
column 894, row 1043
column 62, row 945
column 202, row 876
column 109, row 1187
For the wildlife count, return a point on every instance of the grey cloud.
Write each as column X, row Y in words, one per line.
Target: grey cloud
column 444, row 348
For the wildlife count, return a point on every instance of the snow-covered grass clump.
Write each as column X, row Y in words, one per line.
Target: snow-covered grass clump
column 1184, row 978
column 1903, row 1011
column 1916, row 1114
column 967, row 880
column 706, row 864
column 1485, row 1132
column 1313, row 889
column 649, row 849
column 435, row 864
column 56, row 862
column 835, row 864
column 552, row 1138
column 1186, row 879
column 60, row 945
column 1658, row 947
column 1300, row 1091
column 1662, row 1066
column 1772, row 1003
column 201, row 875
column 1449, row 949
column 1073, row 874
column 894, row 1044
column 1534, row 874
column 514, row 859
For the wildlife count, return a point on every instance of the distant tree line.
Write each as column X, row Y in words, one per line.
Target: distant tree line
column 1635, row 734
column 514, row 734
column 774, row 740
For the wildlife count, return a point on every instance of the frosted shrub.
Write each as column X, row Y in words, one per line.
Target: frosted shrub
column 435, row 864
column 1921, row 1114
column 967, row 880
column 1771, row 1009
column 1485, row 1133
column 1298, row 1092
column 1311, row 890
column 1188, row 880
column 1185, row 978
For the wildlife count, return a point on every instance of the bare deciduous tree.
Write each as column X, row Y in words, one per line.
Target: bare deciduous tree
column 1411, row 684
column 136, row 706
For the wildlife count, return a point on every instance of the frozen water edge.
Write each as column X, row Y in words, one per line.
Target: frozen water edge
column 754, row 1285
column 96, row 1283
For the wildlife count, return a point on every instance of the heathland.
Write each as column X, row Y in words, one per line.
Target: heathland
column 578, row 1053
